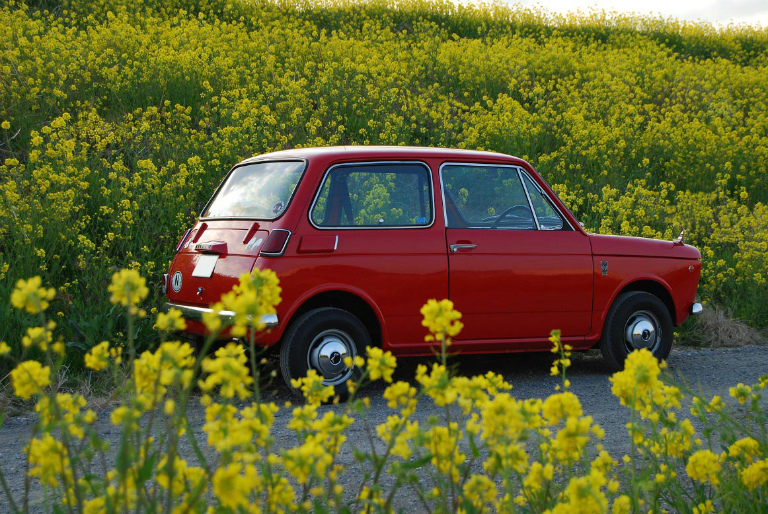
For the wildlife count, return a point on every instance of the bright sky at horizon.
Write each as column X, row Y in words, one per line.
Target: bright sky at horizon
column 718, row 12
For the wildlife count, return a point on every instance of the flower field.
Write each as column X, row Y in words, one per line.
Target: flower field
column 118, row 119
column 486, row 452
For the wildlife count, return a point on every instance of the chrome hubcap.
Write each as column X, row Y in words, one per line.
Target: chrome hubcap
column 327, row 353
column 642, row 331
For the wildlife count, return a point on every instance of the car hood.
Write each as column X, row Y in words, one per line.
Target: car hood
column 641, row 247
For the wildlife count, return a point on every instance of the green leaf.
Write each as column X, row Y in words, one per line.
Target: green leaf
column 473, row 447
column 415, row 464
column 148, row 469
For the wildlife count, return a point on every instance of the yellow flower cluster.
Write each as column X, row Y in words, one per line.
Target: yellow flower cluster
column 228, row 371
column 30, row 378
column 381, row 364
column 563, row 362
column 257, row 294
column 312, row 388
column 704, row 466
column 638, row 386
column 98, row 358
column 30, row 296
column 129, row 289
column 170, row 321
column 755, row 475
column 65, row 411
column 442, row 320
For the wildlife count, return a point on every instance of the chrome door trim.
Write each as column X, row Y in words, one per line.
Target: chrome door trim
column 544, row 193
column 528, row 197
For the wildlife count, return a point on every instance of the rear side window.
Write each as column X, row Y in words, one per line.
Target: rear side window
column 374, row 195
column 260, row 190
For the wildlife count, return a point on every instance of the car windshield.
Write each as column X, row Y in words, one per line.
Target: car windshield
column 261, row 190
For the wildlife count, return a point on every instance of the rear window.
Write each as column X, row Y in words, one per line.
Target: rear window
column 260, row 190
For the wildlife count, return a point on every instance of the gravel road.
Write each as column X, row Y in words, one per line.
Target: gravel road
column 712, row 371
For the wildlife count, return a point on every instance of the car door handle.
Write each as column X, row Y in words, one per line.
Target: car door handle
column 455, row 248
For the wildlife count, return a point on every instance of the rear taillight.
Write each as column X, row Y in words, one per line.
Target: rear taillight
column 275, row 244
column 181, row 242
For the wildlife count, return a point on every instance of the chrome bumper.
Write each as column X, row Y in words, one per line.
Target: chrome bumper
column 696, row 309
column 196, row 314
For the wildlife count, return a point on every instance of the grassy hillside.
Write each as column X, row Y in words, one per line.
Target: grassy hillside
column 120, row 117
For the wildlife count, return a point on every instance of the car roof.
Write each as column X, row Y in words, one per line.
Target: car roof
column 385, row 153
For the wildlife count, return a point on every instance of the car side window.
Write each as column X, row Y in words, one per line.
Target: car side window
column 490, row 197
column 374, row 195
column 548, row 217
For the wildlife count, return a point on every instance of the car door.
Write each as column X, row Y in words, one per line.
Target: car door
column 388, row 247
column 517, row 269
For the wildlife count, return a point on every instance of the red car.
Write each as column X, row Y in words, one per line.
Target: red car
column 362, row 237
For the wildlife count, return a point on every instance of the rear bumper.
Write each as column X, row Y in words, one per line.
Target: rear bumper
column 196, row 314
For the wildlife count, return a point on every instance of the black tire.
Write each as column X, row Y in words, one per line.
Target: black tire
column 636, row 320
column 317, row 340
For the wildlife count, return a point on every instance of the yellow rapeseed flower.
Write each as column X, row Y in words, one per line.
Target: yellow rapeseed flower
column 170, row 321
column 584, row 494
column 401, row 395
column 561, row 406
column 228, row 370
column 48, row 460
column 745, row 449
column 67, row 409
column 30, row 296
column 741, row 392
column 256, row 294
column 704, row 466
column 441, row 319
column 479, row 490
column 381, row 364
column 755, row 475
column 233, row 484
column 29, row 378
column 621, row 505
column 98, row 358
column 312, row 388
column 308, row 460
column 128, row 288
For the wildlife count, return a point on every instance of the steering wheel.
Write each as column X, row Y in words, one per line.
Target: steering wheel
column 512, row 209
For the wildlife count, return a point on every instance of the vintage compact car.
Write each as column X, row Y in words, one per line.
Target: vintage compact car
column 362, row 237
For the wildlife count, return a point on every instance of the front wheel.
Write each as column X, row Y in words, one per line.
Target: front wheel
column 321, row 339
column 636, row 320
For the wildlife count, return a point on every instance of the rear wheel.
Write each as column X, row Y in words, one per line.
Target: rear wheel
column 321, row 339
column 636, row 320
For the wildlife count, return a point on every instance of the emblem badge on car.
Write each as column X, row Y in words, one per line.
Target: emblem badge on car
column 176, row 281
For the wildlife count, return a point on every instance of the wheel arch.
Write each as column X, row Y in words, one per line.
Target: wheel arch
column 346, row 300
column 653, row 287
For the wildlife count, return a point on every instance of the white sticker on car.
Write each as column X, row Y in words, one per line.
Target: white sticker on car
column 205, row 265
column 176, row 281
